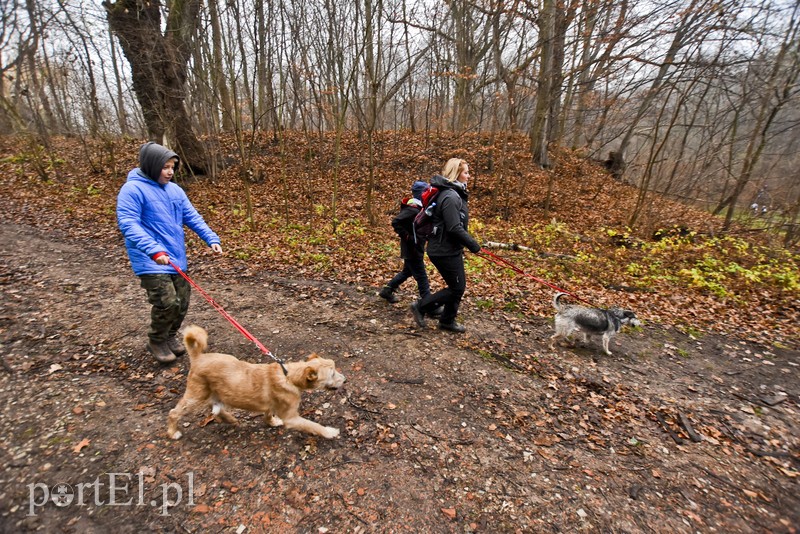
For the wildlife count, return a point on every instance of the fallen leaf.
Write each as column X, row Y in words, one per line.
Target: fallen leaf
column 84, row 443
column 201, row 509
column 545, row 440
column 789, row 473
column 55, row 367
column 149, row 473
column 693, row 516
column 449, row 512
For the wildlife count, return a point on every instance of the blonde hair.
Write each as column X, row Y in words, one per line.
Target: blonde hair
column 453, row 169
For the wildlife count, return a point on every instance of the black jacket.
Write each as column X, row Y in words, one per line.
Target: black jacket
column 451, row 218
column 403, row 225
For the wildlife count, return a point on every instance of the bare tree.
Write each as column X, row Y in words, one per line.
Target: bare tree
column 384, row 76
column 159, row 63
column 539, row 133
column 779, row 89
column 692, row 26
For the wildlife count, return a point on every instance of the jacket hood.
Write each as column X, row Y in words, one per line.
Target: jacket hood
column 441, row 183
column 153, row 157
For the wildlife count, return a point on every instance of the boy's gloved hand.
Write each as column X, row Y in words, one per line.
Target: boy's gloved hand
column 161, row 258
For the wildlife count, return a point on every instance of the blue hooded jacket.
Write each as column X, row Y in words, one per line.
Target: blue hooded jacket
column 151, row 216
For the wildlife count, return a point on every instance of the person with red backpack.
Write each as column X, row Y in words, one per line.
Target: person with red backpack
column 413, row 255
column 450, row 218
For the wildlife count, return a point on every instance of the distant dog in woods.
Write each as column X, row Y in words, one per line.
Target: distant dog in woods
column 572, row 318
column 222, row 381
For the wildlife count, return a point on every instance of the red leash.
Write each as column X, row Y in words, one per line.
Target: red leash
column 228, row 316
column 488, row 255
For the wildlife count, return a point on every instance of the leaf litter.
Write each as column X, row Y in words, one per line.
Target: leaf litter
column 491, row 431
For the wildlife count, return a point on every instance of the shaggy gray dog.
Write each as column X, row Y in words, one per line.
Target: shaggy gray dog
column 589, row 321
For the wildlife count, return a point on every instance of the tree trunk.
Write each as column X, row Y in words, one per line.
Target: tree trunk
column 217, row 69
column 119, row 100
column 159, row 68
column 541, row 127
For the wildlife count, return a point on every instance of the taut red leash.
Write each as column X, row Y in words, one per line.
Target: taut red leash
column 488, row 255
column 229, row 317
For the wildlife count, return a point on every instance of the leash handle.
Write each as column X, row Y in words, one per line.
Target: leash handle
column 228, row 316
column 491, row 256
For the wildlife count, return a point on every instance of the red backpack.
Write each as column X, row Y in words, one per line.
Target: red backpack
column 424, row 228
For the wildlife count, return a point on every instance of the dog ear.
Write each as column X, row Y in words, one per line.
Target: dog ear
column 312, row 356
column 310, row 375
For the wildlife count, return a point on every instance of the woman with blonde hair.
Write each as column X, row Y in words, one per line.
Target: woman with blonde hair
column 446, row 246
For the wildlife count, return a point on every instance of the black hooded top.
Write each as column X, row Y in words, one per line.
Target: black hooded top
column 451, row 216
column 153, row 157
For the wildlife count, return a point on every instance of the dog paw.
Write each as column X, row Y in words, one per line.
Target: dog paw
column 176, row 435
column 330, row 432
column 275, row 421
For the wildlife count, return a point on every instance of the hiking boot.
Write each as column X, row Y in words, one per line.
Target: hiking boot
column 175, row 345
column 160, row 351
column 437, row 312
column 453, row 327
column 387, row 293
column 419, row 317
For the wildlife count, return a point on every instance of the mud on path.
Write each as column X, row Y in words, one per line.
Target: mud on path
column 440, row 433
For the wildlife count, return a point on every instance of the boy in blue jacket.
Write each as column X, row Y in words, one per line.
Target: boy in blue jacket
column 151, row 213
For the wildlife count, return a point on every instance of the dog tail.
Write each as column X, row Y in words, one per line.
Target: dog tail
column 196, row 341
column 557, row 301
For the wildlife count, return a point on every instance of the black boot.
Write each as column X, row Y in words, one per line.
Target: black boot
column 387, row 293
column 436, row 313
column 419, row 317
column 453, row 327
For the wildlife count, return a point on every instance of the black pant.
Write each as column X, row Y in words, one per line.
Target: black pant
column 451, row 268
column 413, row 267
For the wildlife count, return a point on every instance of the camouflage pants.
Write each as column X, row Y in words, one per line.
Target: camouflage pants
column 168, row 295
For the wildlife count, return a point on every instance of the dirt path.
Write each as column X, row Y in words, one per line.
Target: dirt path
column 440, row 433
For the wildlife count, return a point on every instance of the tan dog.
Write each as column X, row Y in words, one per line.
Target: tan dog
column 224, row 381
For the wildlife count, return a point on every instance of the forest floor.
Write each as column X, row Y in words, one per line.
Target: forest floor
column 690, row 426
column 436, row 436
